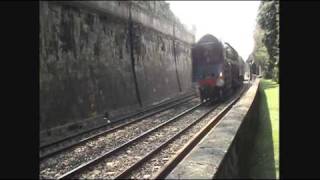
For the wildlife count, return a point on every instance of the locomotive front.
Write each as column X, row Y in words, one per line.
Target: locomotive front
column 208, row 65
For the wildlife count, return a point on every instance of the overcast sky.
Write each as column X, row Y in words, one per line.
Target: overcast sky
column 230, row 21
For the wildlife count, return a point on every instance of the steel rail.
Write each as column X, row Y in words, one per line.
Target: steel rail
column 116, row 121
column 124, row 174
column 96, row 160
column 167, row 168
column 84, row 140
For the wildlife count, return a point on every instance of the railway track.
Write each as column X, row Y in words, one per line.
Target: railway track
column 126, row 147
column 74, row 157
column 118, row 120
column 123, row 160
column 154, row 152
column 194, row 140
column 172, row 151
column 49, row 150
column 126, row 173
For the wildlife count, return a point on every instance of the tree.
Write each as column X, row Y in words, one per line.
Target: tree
column 267, row 38
column 260, row 54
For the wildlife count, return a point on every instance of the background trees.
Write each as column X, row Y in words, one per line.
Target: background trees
column 266, row 35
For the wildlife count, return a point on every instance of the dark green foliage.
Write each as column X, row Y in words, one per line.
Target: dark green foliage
column 266, row 51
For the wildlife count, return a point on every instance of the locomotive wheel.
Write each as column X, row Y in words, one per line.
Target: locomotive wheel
column 202, row 98
column 221, row 94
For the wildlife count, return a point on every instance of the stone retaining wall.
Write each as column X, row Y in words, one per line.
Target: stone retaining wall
column 108, row 56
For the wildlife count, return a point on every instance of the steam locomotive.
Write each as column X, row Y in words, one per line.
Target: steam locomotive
column 217, row 68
